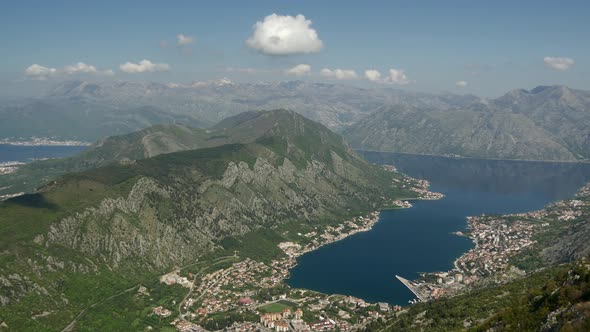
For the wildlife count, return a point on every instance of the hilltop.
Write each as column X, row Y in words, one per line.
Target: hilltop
column 159, row 139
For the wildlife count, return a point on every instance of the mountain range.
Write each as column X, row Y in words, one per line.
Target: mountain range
column 144, row 203
column 546, row 123
column 89, row 111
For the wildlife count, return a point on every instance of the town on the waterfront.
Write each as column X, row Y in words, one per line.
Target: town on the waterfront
column 498, row 239
column 42, row 141
column 9, row 167
column 256, row 291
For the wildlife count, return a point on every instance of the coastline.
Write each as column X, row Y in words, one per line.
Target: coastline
column 43, row 142
column 216, row 292
column 497, row 240
column 583, row 161
column 401, row 203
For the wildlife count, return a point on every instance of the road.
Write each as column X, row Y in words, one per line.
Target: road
column 73, row 322
column 219, row 261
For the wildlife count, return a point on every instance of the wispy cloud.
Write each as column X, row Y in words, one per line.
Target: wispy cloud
column 182, row 40
column 246, row 70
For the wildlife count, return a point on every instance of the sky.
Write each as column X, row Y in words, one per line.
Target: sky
column 480, row 47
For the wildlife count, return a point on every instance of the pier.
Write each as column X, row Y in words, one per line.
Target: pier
column 411, row 286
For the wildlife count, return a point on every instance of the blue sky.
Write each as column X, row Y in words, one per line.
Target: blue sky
column 493, row 46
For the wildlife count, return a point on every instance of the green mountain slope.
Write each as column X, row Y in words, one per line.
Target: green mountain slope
column 142, row 144
column 149, row 142
column 89, row 235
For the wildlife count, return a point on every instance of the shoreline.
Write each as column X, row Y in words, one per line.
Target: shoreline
column 585, row 161
column 496, row 239
column 421, row 189
column 218, row 291
column 44, row 142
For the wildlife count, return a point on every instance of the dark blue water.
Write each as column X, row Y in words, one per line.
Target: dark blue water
column 406, row 242
column 27, row 154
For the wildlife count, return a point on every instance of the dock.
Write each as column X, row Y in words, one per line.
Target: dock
column 411, row 286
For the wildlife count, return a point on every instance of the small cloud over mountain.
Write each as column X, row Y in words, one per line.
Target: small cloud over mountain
column 299, row 70
column 40, row 72
column 558, row 63
column 373, row 75
column 396, row 76
column 143, row 66
column 339, row 74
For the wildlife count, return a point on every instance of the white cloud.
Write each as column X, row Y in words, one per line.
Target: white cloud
column 83, row 68
column 461, row 84
column 559, row 63
column 182, row 40
column 79, row 67
column 39, row 72
column 396, row 76
column 300, row 70
column 373, row 75
column 246, row 70
column 143, row 66
column 340, row 74
column 284, row 35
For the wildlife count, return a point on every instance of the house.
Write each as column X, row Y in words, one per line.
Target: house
column 343, row 326
column 269, row 320
column 298, row 313
column 281, row 326
column 343, row 314
column 245, row 301
column 299, row 325
column 186, row 326
column 161, row 311
column 323, row 325
column 286, row 313
column 383, row 306
column 316, row 307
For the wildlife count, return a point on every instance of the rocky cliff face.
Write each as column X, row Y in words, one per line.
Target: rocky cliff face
column 569, row 246
column 244, row 198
